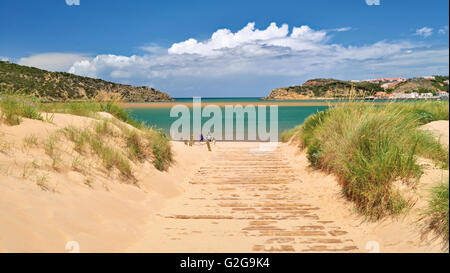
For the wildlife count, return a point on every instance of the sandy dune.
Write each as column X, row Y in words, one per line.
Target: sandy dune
column 440, row 129
column 236, row 198
column 106, row 214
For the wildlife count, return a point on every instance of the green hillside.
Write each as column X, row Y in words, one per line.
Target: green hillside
column 60, row 86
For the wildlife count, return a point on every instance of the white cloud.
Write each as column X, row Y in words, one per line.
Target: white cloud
column 253, row 56
column 4, row 59
column 251, row 39
column 425, row 31
column 52, row 61
column 373, row 2
column 342, row 29
column 443, row 30
column 153, row 49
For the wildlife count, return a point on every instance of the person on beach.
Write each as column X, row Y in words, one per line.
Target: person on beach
column 201, row 137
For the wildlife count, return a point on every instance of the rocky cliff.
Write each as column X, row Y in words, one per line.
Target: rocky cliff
column 332, row 88
column 323, row 89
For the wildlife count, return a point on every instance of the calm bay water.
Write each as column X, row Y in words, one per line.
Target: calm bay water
column 288, row 116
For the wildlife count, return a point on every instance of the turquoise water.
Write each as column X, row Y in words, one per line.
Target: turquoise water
column 244, row 100
column 288, row 116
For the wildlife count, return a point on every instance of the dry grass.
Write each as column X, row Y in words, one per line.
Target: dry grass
column 5, row 146
column 438, row 210
column 52, row 150
column 79, row 165
column 42, row 182
column 31, row 141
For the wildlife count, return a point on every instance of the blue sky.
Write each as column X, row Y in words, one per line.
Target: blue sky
column 152, row 42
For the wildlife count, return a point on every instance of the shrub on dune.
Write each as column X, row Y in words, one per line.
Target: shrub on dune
column 369, row 147
column 14, row 107
column 161, row 149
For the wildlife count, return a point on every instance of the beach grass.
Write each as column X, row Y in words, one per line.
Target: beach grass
column 370, row 147
column 438, row 210
column 110, row 156
column 90, row 109
column 161, row 148
column 142, row 141
column 287, row 135
column 14, row 107
column 31, row 141
column 136, row 147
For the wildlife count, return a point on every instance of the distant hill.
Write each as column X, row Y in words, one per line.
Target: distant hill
column 60, row 86
column 419, row 84
column 325, row 88
column 332, row 88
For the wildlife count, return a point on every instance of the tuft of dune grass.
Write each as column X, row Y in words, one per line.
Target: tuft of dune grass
column 369, row 147
column 142, row 142
column 286, row 136
column 438, row 210
column 52, row 150
column 161, row 148
column 31, row 141
column 137, row 149
column 110, row 156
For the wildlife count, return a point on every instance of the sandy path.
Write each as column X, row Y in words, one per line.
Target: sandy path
column 243, row 200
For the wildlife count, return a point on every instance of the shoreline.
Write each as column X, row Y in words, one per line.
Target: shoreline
column 221, row 104
column 306, row 102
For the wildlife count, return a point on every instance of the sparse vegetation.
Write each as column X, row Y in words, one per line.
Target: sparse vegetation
column 438, row 210
column 103, row 128
column 51, row 149
column 59, row 86
column 88, row 182
column 41, row 181
column 5, row 146
column 78, row 165
column 369, row 147
column 31, row 141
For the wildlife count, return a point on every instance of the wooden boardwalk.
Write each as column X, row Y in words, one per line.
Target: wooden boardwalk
column 245, row 200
